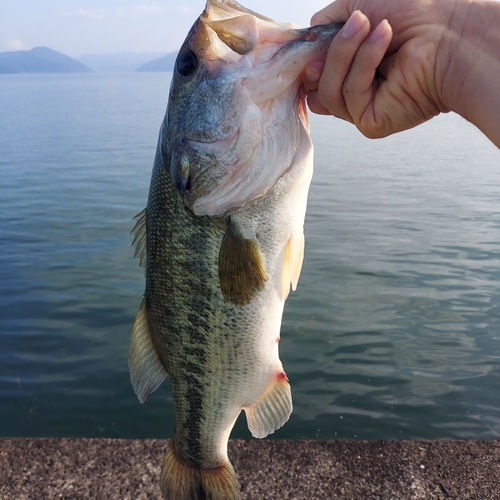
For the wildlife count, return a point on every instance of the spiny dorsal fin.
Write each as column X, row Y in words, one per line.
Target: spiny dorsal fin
column 272, row 410
column 139, row 242
column 242, row 272
column 146, row 370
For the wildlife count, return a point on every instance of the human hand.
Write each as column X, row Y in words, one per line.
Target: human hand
column 384, row 80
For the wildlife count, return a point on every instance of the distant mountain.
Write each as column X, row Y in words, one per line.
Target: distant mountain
column 39, row 60
column 162, row 64
column 119, row 62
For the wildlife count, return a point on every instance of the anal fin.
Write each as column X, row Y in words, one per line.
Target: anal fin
column 242, row 272
column 146, row 369
column 272, row 410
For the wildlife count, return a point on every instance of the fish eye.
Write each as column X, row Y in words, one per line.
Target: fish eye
column 186, row 63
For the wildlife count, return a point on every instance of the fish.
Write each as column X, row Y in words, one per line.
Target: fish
column 222, row 238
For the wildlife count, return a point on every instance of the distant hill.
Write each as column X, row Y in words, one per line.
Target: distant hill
column 162, row 64
column 119, row 62
column 40, row 60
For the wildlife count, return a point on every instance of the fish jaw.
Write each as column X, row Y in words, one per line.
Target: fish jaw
column 231, row 132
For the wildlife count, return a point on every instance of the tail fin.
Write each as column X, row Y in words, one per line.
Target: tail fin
column 179, row 481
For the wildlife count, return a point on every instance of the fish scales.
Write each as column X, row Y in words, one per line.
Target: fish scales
column 211, row 350
column 180, row 282
column 222, row 239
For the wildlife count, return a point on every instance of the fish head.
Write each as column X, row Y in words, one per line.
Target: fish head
column 234, row 112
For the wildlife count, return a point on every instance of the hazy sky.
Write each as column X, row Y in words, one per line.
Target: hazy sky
column 76, row 27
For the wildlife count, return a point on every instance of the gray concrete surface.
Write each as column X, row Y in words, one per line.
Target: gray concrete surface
column 32, row 469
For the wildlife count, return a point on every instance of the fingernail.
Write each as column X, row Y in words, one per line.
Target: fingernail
column 378, row 32
column 314, row 70
column 353, row 24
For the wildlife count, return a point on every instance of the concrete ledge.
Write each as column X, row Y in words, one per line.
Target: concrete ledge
column 269, row 469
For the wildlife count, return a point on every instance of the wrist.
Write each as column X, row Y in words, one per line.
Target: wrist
column 468, row 63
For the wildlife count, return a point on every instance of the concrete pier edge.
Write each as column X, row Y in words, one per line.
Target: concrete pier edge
column 53, row 468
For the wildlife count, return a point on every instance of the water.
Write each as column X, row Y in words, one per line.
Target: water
column 394, row 331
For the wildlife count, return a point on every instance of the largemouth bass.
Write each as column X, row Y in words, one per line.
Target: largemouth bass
column 222, row 238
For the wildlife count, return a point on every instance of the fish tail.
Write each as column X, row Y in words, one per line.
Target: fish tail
column 179, row 481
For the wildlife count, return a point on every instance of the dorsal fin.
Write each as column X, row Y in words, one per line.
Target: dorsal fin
column 242, row 270
column 146, row 370
column 139, row 241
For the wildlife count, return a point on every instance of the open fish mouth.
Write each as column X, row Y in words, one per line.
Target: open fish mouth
column 228, row 158
column 239, row 76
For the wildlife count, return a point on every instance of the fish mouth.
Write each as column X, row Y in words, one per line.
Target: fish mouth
column 226, row 31
column 252, row 108
column 263, row 52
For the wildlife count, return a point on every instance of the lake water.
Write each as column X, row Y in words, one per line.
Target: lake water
column 393, row 333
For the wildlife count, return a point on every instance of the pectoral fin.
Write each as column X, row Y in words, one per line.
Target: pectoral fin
column 297, row 257
column 146, row 370
column 293, row 256
column 242, row 272
column 272, row 410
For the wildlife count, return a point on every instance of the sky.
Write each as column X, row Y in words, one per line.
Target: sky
column 76, row 27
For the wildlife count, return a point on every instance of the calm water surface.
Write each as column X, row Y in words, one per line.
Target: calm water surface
column 394, row 331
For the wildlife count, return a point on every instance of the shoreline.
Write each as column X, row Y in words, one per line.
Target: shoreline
column 98, row 468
